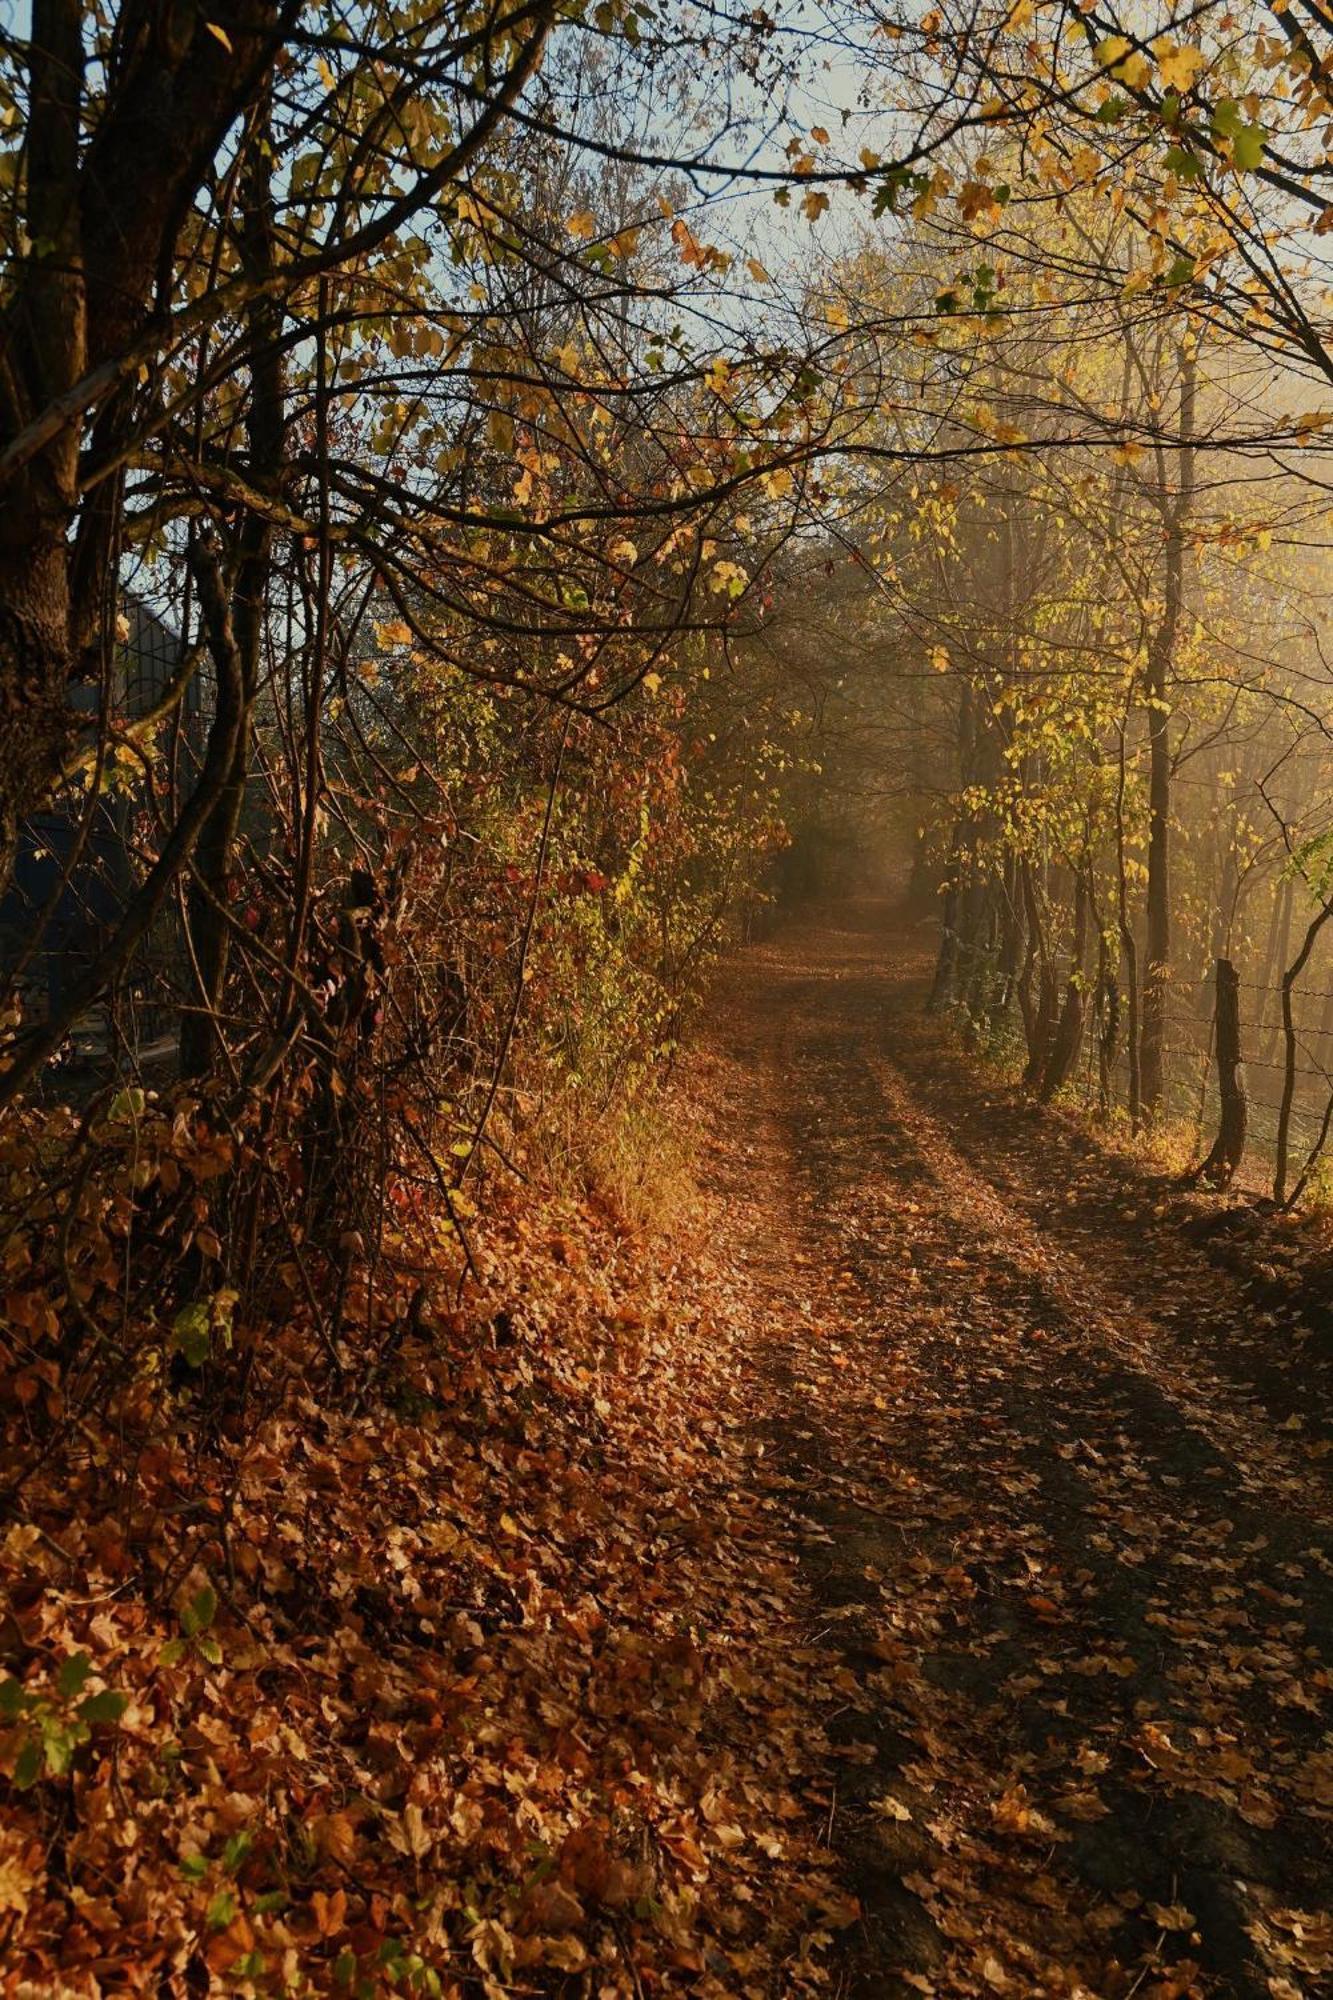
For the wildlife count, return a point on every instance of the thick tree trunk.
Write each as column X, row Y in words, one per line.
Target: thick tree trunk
column 102, row 220
column 45, row 343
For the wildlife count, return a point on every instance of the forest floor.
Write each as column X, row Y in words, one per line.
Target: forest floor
column 906, row 1569
column 1063, row 1494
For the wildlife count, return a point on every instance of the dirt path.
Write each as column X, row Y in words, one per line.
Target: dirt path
column 1065, row 1508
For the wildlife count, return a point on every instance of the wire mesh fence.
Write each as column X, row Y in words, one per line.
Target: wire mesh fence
column 1192, row 1107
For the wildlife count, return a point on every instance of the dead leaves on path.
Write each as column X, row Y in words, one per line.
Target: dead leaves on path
column 493, row 1687
column 1082, row 1586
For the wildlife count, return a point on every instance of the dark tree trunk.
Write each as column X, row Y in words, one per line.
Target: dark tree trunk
column 1068, row 1036
column 1289, row 978
column 207, row 911
column 103, row 222
column 1161, row 658
column 1223, row 1162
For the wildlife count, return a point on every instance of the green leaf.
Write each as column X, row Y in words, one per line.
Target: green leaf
column 210, row 1650
column 59, row 1746
column 191, row 1333
column 1228, row 118
column 1247, row 148
column 73, row 1673
column 14, row 1699
column 1182, row 163
column 1181, row 272
column 234, row 1853
column 28, row 1764
column 221, row 1910
column 200, row 1612
column 171, row 1653
column 194, row 1867
column 107, row 1706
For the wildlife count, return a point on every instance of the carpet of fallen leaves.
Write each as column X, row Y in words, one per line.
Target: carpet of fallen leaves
column 1067, row 1511
column 494, row 1685
column 916, row 1577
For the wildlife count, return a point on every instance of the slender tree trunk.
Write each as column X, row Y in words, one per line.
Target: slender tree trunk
column 209, row 931
column 1223, row 1162
column 1275, row 958
column 1042, row 1019
column 1068, row 1036
column 1289, row 978
column 1161, row 659
column 944, row 988
column 1011, row 943
column 1108, row 1041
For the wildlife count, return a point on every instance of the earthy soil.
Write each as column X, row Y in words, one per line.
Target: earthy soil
column 1063, row 1492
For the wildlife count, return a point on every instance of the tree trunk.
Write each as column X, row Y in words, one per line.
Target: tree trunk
column 1223, row 1162
column 1068, row 1036
column 1108, row 1041
column 102, row 218
column 209, row 931
column 1289, row 978
column 1161, row 658
column 46, row 353
column 944, row 987
column 1270, row 980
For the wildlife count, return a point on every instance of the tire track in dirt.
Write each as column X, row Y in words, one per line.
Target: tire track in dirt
column 1082, row 1591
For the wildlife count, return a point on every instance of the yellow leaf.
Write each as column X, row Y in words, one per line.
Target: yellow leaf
column 1177, row 68
column 757, row 271
column 814, row 205
column 1171, row 1916
column 582, row 225
column 221, row 35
